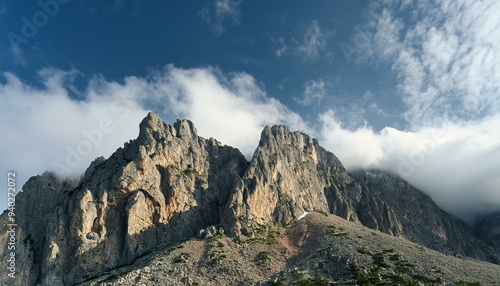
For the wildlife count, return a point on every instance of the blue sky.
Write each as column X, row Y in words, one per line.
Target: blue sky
column 407, row 86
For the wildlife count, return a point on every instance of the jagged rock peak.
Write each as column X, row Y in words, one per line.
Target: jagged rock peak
column 152, row 129
column 185, row 128
column 151, row 120
column 153, row 123
column 281, row 133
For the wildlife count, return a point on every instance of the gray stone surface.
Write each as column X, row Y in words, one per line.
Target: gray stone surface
column 390, row 204
column 288, row 175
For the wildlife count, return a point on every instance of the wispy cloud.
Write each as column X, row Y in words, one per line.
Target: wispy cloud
column 3, row 10
column 354, row 111
column 369, row 100
column 313, row 43
column 314, row 92
column 218, row 11
column 283, row 48
column 445, row 56
column 18, row 55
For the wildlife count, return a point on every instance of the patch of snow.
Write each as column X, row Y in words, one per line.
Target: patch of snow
column 303, row 215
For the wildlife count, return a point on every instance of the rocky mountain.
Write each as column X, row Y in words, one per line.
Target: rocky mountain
column 170, row 185
column 393, row 206
column 487, row 228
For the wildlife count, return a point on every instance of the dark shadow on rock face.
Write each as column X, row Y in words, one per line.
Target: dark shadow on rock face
column 391, row 205
column 210, row 195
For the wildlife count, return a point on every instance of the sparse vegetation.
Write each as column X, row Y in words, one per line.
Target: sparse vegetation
column 462, row 283
column 316, row 281
column 425, row 279
column 375, row 276
column 280, row 282
column 334, row 231
column 189, row 170
column 379, row 261
column 182, row 258
column 216, row 236
column 387, row 268
column 404, row 266
column 299, row 275
column 263, row 257
column 270, row 238
column 395, row 257
column 361, row 278
column 363, row 250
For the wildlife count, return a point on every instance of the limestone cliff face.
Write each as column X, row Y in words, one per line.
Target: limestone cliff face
column 169, row 184
column 162, row 187
column 41, row 232
column 289, row 174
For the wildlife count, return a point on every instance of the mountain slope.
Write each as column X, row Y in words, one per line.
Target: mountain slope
column 316, row 250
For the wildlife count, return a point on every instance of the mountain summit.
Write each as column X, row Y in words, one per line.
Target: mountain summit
column 169, row 186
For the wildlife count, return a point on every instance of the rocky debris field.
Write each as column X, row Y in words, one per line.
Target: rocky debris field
column 319, row 249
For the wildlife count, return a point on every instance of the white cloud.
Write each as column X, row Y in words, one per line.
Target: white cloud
column 351, row 147
column 313, row 43
column 231, row 108
column 42, row 125
column 220, row 10
column 314, row 92
column 45, row 129
column 456, row 163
